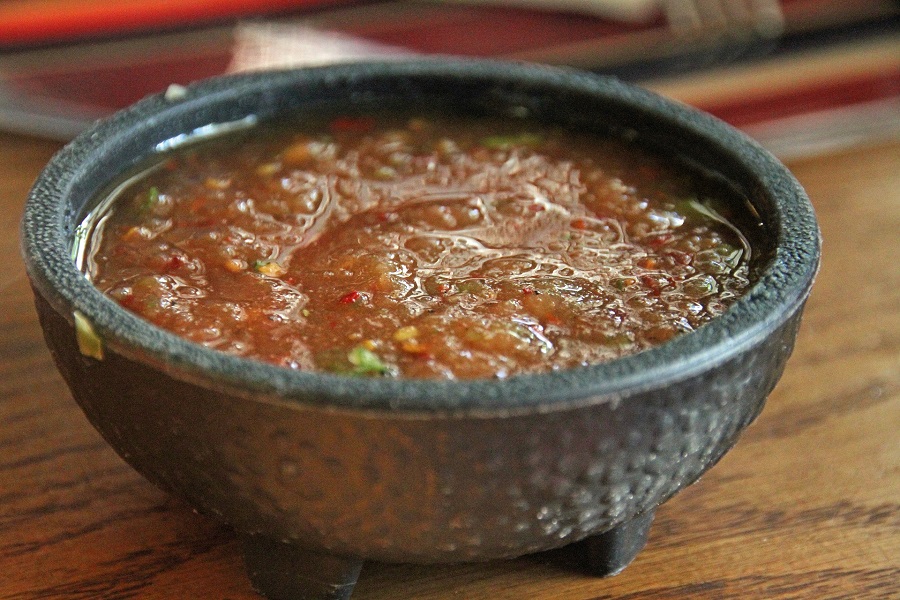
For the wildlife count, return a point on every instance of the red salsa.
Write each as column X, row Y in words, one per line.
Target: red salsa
column 421, row 247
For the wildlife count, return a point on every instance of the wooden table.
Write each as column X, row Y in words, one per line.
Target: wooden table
column 806, row 506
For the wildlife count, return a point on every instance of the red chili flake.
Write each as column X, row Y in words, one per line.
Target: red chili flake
column 536, row 207
column 290, row 280
column 332, row 324
column 174, row 262
column 650, row 282
column 552, row 320
column 679, row 257
column 527, row 291
column 352, row 124
column 660, row 240
column 443, row 288
column 579, row 224
column 350, row 297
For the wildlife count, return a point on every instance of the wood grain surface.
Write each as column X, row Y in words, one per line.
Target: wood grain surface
column 807, row 505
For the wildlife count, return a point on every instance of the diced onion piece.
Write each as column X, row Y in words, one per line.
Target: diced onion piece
column 406, row 333
column 270, row 268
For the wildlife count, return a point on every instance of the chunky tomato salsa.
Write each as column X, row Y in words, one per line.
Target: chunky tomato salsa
column 422, row 246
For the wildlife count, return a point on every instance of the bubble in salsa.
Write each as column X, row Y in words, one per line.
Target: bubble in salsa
column 421, row 247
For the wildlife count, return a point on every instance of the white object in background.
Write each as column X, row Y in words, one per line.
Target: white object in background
column 619, row 10
column 284, row 45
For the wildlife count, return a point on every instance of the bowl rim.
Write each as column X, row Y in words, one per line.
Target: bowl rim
column 778, row 294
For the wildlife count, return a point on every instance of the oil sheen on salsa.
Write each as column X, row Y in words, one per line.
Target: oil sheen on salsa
column 420, row 246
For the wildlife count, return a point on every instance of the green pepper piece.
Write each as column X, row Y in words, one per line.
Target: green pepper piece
column 151, row 200
column 366, row 362
column 506, row 142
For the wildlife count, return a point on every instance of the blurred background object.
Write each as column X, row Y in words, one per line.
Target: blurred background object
column 40, row 22
column 802, row 76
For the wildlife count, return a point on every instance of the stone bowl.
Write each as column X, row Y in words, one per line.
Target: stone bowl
column 319, row 472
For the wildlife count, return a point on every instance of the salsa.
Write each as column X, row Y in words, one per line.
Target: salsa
column 421, row 246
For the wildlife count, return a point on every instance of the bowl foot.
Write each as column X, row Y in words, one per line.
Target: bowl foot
column 608, row 553
column 281, row 571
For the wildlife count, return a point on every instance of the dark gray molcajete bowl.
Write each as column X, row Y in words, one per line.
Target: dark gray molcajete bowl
column 318, row 472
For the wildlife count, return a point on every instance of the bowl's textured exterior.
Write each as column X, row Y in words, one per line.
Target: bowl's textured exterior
column 421, row 471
